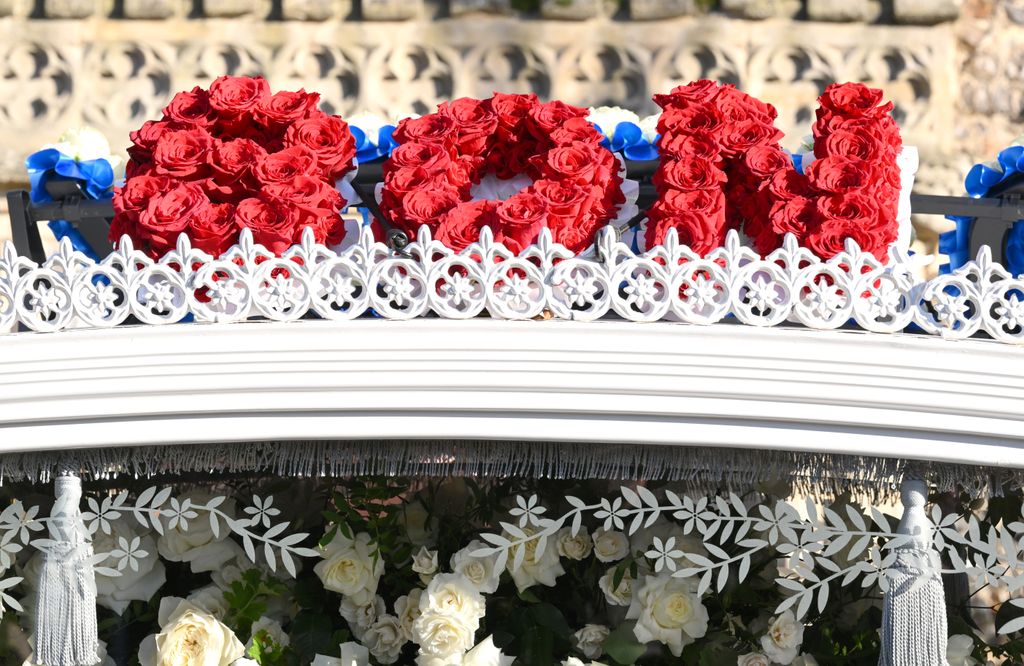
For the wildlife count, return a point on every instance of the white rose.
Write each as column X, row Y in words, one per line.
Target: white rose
column 667, row 610
column 543, row 567
column 385, row 639
column 958, row 650
column 143, row 576
column 441, row 635
column 359, row 616
column 352, row 654
column 486, row 653
column 189, row 637
column 101, row 652
column 609, row 117
column 783, row 638
column 610, row 546
column 479, row 571
column 590, row 640
column 753, row 659
column 805, row 660
column 273, row 630
column 649, row 127
column 197, row 545
column 576, row 547
column 407, row 608
column 210, row 599
column 453, row 594
column 425, row 563
column 226, row 575
column 350, row 567
column 621, row 595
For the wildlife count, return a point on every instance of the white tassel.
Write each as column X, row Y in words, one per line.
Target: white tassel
column 66, row 632
column 914, row 612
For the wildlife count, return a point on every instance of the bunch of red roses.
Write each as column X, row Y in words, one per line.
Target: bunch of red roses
column 230, row 158
column 723, row 168
column 430, row 176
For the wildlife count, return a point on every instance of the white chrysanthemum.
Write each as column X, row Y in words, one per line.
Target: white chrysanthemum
column 590, row 640
column 609, row 117
column 576, row 547
column 610, row 545
column 782, row 641
column 668, row 610
column 479, row 571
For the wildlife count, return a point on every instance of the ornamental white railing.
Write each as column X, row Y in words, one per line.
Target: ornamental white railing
column 669, row 282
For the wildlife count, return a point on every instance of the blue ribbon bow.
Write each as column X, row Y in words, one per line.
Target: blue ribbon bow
column 368, row 151
column 629, row 140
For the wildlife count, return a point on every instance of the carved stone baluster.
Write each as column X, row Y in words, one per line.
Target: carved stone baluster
column 391, row 10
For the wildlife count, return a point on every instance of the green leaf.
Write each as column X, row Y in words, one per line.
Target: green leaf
column 551, row 618
column 622, row 646
column 311, row 634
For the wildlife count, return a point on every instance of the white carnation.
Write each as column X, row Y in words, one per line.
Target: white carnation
column 667, row 610
column 610, row 546
column 198, row 545
column 782, row 641
column 622, row 595
column 351, row 567
column 480, row 571
column 576, row 547
column 590, row 640
column 189, row 636
column 537, row 567
column 385, row 639
column 753, row 659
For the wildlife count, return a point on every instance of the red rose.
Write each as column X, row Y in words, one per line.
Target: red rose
column 850, row 143
column 232, row 165
column 212, row 229
column 520, row 218
column 794, row 216
column 707, row 203
column 853, row 99
column 145, row 137
column 692, row 120
column 515, row 159
column 839, row 174
column 689, row 174
column 424, row 206
column 737, row 106
column 433, row 128
column 700, row 234
column 564, row 201
column 330, row 140
column 286, row 164
column 546, row 118
column 183, row 153
column 743, row 135
column 307, row 192
column 576, row 237
column 688, row 145
column 234, row 95
column 285, row 108
column 576, row 129
column 270, row 223
column 763, row 161
column 576, row 162
column 852, row 207
column 460, row 227
column 430, row 156
column 512, row 111
column 167, row 215
column 698, row 92
column 785, row 184
column 829, row 238
column 399, row 184
column 136, row 192
column 191, row 108
column 475, row 123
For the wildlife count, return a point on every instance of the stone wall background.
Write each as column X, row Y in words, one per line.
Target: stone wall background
column 955, row 72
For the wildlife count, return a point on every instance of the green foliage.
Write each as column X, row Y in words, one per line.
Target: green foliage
column 247, row 599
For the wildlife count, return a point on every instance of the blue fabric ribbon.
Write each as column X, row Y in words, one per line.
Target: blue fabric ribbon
column 367, row 150
column 979, row 181
column 629, row 140
column 95, row 176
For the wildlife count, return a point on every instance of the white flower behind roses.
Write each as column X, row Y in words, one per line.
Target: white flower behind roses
column 609, row 545
column 385, row 639
column 537, row 567
column 480, row 571
column 782, row 641
column 351, row 567
column 189, row 637
column 622, row 595
column 360, row 616
column 590, row 640
column 609, row 117
column 753, row 659
column 667, row 610
column 576, row 547
column 453, row 594
column 197, row 544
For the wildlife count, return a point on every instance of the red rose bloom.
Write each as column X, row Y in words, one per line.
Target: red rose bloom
column 330, row 140
column 689, row 174
column 270, row 223
column 705, row 120
column 576, row 162
column 576, row 129
column 426, row 207
column 786, row 184
column 233, row 95
column 688, row 145
column 168, row 213
column 430, row 156
column 460, row 227
column 520, row 219
column 546, row 118
column 698, row 92
column 839, row 174
column 763, row 161
column 285, row 107
column 136, row 192
column 853, row 99
column 183, row 153
column 829, row 239
column 708, row 203
column 212, row 229
column 433, row 128
column 850, row 143
column 286, row 164
column 738, row 106
column 475, row 121
column 564, row 201
column 191, row 109
column 743, row 135
column 305, row 192
column 795, row 216
column 695, row 231
column 231, row 163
